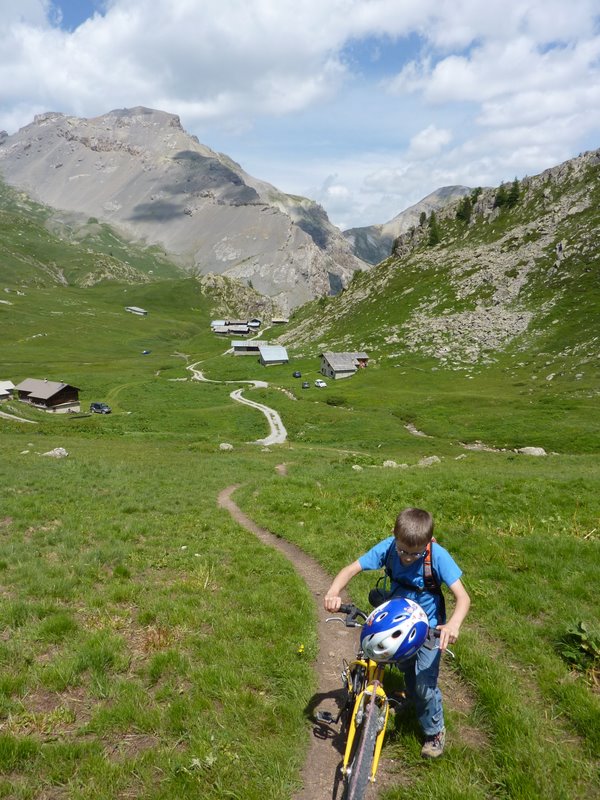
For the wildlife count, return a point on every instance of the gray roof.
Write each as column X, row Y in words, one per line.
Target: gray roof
column 42, row 389
column 273, row 352
column 237, row 328
column 343, row 361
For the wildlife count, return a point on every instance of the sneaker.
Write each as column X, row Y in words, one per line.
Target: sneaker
column 434, row 745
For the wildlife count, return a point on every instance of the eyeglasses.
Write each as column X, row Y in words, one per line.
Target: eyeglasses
column 408, row 554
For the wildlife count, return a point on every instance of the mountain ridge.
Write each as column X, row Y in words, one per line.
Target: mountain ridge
column 503, row 283
column 373, row 243
column 138, row 170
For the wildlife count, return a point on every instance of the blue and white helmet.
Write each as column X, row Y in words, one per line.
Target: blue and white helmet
column 394, row 630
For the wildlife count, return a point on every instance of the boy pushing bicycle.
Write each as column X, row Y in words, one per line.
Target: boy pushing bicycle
column 416, row 567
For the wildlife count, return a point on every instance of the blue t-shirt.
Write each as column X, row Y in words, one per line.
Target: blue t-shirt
column 445, row 569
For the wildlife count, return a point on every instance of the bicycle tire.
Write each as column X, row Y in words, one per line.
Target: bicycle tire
column 363, row 754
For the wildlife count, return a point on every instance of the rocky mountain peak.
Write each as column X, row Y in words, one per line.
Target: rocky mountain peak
column 140, row 171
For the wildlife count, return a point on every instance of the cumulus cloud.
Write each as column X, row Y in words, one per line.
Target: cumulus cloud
column 429, row 141
column 461, row 92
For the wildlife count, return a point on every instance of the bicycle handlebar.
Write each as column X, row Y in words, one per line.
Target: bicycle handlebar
column 354, row 614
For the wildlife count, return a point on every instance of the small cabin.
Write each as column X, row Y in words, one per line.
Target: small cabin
column 6, row 389
column 246, row 347
column 342, row 365
column 52, row 396
column 141, row 312
column 271, row 354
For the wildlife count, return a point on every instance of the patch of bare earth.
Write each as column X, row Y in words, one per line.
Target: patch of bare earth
column 50, row 714
column 321, row 775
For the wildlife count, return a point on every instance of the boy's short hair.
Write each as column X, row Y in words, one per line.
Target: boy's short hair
column 414, row 527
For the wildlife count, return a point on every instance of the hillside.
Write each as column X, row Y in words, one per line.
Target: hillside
column 373, row 243
column 152, row 647
column 140, row 172
column 509, row 281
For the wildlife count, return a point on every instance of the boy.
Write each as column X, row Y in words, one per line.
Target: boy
column 405, row 555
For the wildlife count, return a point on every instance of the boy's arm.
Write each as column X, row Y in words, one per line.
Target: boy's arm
column 332, row 600
column 449, row 631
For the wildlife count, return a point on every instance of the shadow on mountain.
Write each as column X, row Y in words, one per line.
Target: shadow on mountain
column 205, row 176
column 160, row 211
column 335, row 283
column 313, row 222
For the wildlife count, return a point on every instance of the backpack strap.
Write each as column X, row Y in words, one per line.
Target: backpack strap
column 430, row 581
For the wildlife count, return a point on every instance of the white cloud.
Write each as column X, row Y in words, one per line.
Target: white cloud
column 429, row 142
column 31, row 12
column 490, row 89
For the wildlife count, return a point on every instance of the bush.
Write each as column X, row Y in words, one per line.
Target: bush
column 336, row 400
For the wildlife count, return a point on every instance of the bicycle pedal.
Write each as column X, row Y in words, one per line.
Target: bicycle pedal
column 326, row 717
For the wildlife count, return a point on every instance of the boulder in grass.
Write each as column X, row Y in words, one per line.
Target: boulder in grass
column 428, row 461
column 532, row 451
column 225, row 446
column 58, row 452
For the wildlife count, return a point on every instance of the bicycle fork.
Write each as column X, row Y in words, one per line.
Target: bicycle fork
column 360, row 709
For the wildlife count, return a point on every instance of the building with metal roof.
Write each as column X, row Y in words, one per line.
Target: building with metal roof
column 342, row 365
column 272, row 354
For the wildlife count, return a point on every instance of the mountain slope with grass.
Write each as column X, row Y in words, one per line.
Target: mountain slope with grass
column 140, row 172
column 151, row 647
column 507, row 296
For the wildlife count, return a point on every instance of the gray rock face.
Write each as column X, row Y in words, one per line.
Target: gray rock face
column 374, row 242
column 138, row 170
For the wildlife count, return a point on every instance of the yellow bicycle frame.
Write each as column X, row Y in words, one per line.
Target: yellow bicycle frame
column 374, row 674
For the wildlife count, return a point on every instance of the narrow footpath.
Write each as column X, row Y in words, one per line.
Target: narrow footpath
column 320, row 776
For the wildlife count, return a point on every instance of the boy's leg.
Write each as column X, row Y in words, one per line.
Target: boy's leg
column 428, row 699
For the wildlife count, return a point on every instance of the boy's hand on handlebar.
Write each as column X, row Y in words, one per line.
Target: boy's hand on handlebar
column 332, row 602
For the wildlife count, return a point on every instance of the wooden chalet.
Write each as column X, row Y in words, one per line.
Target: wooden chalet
column 52, row 396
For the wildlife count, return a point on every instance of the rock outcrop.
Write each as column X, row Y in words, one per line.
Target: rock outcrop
column 139, row 171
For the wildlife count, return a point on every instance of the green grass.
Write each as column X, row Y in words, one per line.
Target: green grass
column 149, row 645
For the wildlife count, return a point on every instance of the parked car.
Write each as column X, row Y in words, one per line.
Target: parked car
column 100, row 408
column 320, row 384
column 305, row 385
column 296, row 374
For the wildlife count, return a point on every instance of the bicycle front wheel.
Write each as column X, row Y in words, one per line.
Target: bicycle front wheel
column 360, row 768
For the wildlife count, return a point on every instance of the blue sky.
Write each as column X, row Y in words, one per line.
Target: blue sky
column 363, row 105
column 74, row 12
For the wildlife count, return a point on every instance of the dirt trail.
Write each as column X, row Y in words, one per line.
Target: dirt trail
column 320, row 776
column 278, row 433
column 335, row 643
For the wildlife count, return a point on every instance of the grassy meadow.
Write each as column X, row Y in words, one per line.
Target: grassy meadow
column 149, row 646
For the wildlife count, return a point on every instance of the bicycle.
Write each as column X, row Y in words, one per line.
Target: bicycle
column 363, row 714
